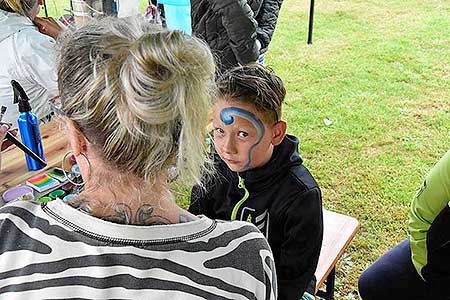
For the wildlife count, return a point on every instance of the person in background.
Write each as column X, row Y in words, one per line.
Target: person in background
column 28, row 56
column 135, row 101
column 238, row 31
column 419, row 267
column 261, row 177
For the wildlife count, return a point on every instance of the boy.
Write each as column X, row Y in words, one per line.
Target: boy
column 261, row 177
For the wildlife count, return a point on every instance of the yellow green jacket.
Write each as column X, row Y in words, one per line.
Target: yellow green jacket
column 430, row 203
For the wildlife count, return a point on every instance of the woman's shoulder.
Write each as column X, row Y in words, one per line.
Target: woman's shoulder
column 245, row 232
column 244, row 248
column 13, row 214
column 32, row 37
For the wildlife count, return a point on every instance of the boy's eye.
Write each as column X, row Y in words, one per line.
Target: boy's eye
column 242, row 134
column 219, row 131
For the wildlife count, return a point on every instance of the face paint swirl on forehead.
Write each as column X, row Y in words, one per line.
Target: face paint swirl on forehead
column 226, row 116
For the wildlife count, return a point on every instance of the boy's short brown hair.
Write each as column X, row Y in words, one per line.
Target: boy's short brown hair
column 254, row 84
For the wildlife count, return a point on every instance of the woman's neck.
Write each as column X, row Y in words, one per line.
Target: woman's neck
column 132, row 202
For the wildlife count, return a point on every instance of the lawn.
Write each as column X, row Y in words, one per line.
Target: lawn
column 380, row 72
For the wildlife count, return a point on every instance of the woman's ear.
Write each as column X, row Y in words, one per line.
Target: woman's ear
column 279, row 132
column 77, row 140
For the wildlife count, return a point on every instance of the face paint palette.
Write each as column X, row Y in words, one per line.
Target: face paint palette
column 44, row 187
column 42, row 182
column 57, row 173
column 21, row 192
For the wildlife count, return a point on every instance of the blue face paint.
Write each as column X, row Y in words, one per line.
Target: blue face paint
column 226, row 115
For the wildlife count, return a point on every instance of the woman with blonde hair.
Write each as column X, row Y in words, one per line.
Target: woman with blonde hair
column 28, row 56
column 135, row 101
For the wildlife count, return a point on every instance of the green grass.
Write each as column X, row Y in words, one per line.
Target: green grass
column 379, row 70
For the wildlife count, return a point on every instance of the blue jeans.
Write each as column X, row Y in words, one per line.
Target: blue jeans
column 393, row 276
column 261, row 59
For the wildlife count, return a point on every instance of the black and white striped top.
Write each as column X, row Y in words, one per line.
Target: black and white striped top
column 53, row 251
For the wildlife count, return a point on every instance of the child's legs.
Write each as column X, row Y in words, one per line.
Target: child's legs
column 392, row 276
column 437, row 269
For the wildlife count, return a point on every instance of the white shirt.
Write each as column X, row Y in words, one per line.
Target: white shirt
column 28, row 57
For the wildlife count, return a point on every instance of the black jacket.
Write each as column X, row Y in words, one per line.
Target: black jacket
column 284, row 203
column 231, row 27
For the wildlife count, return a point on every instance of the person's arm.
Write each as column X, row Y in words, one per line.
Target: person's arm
column 270, row 288
column 205, row 198
column 200, row 202
column 432, row 197
column 240, row 24
column 3, row 130
column 299, row 255
column 48, row 26
column 267, row 20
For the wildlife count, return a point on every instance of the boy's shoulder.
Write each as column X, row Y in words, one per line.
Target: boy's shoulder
column 299, row 177
column 302, row 177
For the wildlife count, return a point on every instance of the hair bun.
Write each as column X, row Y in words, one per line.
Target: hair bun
column 140, row 92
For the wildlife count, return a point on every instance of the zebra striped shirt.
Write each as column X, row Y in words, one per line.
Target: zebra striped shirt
column 53, row 251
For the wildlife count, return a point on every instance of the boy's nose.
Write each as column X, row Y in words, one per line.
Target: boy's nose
column 229, row 145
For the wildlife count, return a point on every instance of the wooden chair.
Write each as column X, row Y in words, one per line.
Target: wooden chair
column 338, row 231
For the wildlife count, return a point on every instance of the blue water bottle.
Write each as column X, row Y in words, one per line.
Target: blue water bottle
column 28, row 127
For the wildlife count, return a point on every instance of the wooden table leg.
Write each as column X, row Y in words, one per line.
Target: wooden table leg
column 328, row 294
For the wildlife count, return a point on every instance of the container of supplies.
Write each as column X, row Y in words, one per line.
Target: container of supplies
column 178, row 14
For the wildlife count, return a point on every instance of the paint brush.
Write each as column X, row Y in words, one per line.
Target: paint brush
column 19, row 144
column 25, row 149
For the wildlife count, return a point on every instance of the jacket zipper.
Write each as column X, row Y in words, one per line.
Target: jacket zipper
column 238, row 205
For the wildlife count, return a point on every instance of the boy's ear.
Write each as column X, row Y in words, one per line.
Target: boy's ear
column 279, row 132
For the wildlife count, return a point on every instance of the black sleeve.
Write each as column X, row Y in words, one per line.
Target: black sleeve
column 240, row 24
column 303, row 231
column 200, row 201
column 267, row 20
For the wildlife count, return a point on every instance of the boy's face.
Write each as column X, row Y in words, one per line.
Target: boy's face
column 242, row 138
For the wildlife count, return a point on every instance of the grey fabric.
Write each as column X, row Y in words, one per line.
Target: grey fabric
column 231, row 27
column 267, row 19
column 53, row 251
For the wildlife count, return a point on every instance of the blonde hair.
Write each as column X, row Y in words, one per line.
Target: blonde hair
column 21, row 7
column 140, row 93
